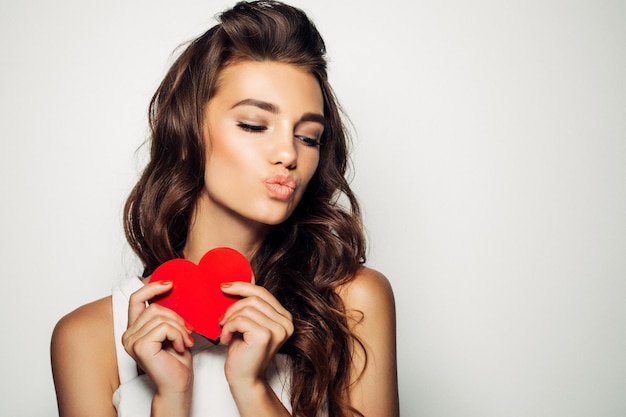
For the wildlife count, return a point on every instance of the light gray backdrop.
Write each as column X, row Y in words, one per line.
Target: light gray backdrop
column 490, row 159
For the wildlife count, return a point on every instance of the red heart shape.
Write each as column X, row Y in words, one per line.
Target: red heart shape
column 196, row 295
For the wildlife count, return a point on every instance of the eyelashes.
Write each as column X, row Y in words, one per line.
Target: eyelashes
column 309, row 141
column 246, row 127
column 251, row 128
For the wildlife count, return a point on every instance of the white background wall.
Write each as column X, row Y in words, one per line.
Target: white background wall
column 490, row 161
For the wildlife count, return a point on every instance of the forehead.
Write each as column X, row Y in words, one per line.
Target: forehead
column 285, row 85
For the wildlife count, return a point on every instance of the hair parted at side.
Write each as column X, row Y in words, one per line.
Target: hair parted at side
column 305, row 259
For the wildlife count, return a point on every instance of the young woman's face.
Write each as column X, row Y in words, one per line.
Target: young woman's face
column 262, row 130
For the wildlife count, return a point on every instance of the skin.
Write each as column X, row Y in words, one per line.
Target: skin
column 263, row 121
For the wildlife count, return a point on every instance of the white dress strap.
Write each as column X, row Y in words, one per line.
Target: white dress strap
column 126, row 366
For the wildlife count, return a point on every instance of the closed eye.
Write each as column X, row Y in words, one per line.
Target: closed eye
column 309, row 141
column 251, row 128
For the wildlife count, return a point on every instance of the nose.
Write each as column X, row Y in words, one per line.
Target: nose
column 283, row 149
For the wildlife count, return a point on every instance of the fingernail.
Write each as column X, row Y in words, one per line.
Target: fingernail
column 191, row 339
column 189, row 327
column 226, row 284
column 165, row 282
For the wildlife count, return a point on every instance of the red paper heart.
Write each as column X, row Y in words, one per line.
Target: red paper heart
column 196, row 294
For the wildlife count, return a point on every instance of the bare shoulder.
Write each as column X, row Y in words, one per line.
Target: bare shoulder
column 370, row 306
column 89, row 324
column 84, row 364
column 369, row 289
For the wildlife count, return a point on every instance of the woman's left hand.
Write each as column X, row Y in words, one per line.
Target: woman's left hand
column 254, row 328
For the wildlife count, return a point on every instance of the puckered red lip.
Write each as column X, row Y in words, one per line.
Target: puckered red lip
column 282, row 180
column 281, row 187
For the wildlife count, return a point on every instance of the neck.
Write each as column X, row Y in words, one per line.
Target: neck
column 213, row 226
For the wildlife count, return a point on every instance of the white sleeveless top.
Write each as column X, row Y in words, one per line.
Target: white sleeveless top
column 211, row 395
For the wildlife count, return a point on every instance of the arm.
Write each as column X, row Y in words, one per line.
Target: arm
column 84, row 365
column 158, row 339
column 84, row 362
column 254, row 328
column 369, row 302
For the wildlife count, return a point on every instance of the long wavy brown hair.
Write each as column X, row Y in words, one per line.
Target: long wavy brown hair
column 303, row 261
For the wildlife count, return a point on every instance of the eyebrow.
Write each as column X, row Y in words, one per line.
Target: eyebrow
column 274, row 109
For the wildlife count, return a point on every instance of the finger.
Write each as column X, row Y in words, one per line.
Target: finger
column 254, row 320
column 158, row 312
column 256, row 304
column 152, row 341
column 155, row 315
column 252, row 333
column 151, row 337
column 138, row 299
column 246, row 290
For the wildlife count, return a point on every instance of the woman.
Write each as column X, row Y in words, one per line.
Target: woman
column 247, row 151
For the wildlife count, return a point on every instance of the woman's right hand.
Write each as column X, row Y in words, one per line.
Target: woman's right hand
column 158, row 339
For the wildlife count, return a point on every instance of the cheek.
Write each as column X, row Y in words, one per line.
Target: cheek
column 222, row 149
column 311, row 164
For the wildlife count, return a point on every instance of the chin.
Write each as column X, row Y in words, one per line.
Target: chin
column 274, row 221
column 271, row 216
